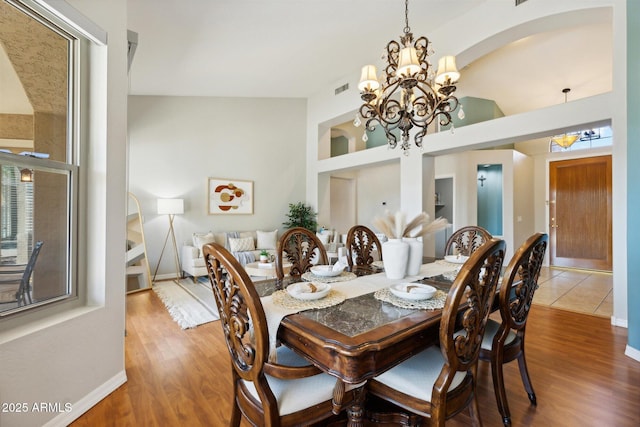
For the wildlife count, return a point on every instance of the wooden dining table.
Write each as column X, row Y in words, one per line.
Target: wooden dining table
column 359, row 338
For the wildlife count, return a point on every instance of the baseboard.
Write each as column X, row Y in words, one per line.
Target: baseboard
column 632, row 353
column 87, row 402
column 623, row 323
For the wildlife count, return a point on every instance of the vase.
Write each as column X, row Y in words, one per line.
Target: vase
column 395, row 254
column 415, row 255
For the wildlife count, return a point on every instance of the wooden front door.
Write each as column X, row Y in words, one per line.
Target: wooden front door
column 580, row 213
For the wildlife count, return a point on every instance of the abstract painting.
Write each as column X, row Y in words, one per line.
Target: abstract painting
column 230, row 196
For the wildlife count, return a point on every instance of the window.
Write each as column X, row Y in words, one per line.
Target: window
column 588, row 139
column 39, row 162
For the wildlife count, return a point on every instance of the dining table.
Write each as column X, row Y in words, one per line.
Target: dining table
column 360, row 330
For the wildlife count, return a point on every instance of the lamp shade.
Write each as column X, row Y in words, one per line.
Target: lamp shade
column 170, row 206
column 566, row 140
column 408, row 63
column 447, row 70
column 368, row 78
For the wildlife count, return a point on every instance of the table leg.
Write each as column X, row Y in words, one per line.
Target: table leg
column 355, row 410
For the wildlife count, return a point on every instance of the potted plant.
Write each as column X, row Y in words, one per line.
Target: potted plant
column 264, row 256
column 301, row 215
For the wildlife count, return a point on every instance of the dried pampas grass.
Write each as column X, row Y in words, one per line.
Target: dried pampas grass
column 394, row 226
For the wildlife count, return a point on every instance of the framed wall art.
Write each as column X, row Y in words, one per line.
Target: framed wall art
column 230, row 196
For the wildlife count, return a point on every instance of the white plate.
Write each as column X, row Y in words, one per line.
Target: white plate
column 306, row 291
column 326, row 270
column 456, row 259
column 413, row 291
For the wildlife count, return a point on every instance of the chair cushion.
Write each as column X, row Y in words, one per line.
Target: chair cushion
column 416, row 376
column 267, row 239
column 296, row 395
column 490, row 331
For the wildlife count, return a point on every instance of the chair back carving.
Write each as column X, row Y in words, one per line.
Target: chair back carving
column 461, row 333
column 360, row 243
column 243, row 322
column 521, row 281
column 466, row 240
column 302, row 249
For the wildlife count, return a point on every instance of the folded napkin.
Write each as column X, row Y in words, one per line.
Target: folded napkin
column 341, row 264
column 306, row 288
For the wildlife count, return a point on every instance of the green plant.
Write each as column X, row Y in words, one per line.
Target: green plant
column 301, row 215
column 264, row 253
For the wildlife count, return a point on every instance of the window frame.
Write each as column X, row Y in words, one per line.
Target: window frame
column 69, row 24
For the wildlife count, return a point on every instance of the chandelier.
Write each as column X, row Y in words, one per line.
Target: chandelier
column 566, row 140
column 409, row 93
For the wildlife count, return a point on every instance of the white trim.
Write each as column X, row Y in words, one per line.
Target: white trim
column 632, row 353
column 64, row 12
column 615, row 321
column 88, row 401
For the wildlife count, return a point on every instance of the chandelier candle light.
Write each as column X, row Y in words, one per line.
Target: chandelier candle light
column 408, row 94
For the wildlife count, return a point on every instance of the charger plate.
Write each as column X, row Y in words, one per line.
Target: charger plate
column 283, row 299
column 434, row 303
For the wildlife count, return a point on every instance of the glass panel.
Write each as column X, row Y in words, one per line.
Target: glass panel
column 34, row 59
column 35, row 237
column 490, row 198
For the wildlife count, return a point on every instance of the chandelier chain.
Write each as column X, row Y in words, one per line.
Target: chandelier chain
column 407, row 30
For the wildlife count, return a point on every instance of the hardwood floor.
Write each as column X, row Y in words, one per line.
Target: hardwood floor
column 180, row 377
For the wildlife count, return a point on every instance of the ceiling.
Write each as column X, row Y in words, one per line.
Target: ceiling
column 293, row 48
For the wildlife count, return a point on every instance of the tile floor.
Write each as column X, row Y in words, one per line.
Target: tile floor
column 576, row 290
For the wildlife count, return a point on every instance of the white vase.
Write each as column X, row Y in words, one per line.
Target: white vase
column 415, row 255
column 395, row 254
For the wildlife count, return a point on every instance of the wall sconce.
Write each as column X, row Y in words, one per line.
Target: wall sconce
column 26, row 175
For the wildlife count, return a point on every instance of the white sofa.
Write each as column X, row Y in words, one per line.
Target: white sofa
column 245, row 245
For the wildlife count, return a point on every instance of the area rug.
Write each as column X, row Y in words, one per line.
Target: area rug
column 189, row 304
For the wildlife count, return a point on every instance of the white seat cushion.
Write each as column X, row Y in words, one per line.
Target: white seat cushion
column 490, row 331
column 416, row 376
column 296, row 395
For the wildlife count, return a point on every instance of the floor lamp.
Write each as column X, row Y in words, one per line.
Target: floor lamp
column 170, row 207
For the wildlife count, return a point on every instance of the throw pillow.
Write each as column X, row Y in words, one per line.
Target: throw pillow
column 267, row 239
column 201, row 239
column 242, row 244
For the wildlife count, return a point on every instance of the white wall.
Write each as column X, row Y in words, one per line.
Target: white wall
column 378, row 191
column 177, row 143
column 77, row 356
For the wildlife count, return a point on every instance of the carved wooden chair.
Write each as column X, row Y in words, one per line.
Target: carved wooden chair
column 361, row 241
column 504, row 341
column 287, row 393
column 466, row 240
column 302, row 249
column 440, row 381
column 18, row 277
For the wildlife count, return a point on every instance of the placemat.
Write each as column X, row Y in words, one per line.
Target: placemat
column 433, row 303
column 343, row 277
column 283, row 299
